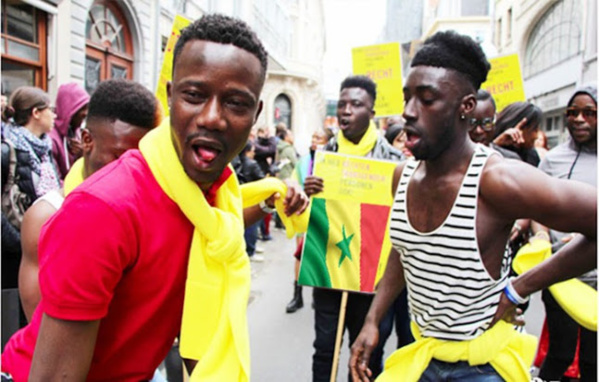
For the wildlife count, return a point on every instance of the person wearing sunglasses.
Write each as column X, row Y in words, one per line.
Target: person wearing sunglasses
column 482, row 123
column 574, row 159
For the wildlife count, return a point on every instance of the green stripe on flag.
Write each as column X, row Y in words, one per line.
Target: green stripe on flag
column 314, row 269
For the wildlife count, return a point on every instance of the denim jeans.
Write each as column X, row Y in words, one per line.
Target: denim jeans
column 251, row 237
column 439, row 371
column 326, row 317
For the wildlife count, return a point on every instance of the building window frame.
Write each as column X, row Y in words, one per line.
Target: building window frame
column 10, row 57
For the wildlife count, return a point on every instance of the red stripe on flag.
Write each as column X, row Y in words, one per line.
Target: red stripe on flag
column 373, row 222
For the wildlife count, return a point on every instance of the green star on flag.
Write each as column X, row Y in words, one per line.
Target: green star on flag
column 344, row 246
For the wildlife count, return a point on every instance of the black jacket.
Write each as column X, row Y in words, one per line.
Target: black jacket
column 11, row 237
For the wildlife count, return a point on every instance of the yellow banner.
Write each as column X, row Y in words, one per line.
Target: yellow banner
column 166, row 74
column 382, row 63
column 504, row 81
column 354, row 178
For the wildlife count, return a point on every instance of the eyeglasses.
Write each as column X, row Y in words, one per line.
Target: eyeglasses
column 487, row 124
column 573, row 112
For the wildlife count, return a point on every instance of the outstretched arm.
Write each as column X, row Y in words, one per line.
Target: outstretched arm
column 76, row 341
column 29, row 288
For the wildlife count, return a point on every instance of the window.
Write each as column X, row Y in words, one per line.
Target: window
column 475, row 8
column 508, row 27
column 498, row 33
column 109, row 50
column 555, row 38
column 23, row 46
column 283, row 110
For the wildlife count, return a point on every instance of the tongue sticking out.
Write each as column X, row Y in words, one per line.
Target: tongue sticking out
column 207, row 154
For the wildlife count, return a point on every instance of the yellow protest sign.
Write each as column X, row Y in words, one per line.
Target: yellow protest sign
column 504, row 81
column 346, row 245
column 382, row 63
column 166, row 73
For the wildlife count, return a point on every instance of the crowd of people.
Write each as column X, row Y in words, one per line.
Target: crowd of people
column 179, row 204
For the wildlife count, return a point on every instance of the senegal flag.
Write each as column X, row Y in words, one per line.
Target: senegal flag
column 347, row 234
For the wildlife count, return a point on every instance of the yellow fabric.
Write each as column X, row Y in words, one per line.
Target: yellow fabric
column 214, row 328
column 509, row 352
column 74, row 177
column 576, row 298
column 253, row 193
column 363, row 147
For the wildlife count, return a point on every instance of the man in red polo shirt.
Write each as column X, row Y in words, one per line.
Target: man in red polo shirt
column 115, row 256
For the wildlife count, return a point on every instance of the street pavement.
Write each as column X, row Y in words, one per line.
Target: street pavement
column 281, row 343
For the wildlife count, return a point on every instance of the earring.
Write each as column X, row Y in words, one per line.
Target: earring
column 462, row 117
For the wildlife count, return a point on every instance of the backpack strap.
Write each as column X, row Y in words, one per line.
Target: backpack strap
column 9, row 164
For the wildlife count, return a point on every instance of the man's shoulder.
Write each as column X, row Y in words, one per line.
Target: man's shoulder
column 124, row 178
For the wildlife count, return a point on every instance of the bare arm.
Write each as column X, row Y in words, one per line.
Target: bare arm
column 517, row 189
column 295, row 202
column 29, row 288
column 391, row 284
column 64, row 350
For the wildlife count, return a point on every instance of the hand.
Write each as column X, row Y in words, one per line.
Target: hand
column 512, row 136
column 313, row 185
column 75, row 147
column 508, row 312
column 296, row 201
column 361, row 351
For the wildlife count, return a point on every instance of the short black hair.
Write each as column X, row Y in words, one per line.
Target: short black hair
column 483, row 95
column 124, row 100
column 362, row 82
column 514, row 112
column 223, row 30
column 449, row 49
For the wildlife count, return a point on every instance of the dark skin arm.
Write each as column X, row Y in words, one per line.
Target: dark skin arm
column 295, row 202
column 29, row 289
column 76, row 341
column 513, row 189
column 391, row 284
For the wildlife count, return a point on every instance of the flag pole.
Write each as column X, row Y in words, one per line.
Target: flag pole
column 340, row 327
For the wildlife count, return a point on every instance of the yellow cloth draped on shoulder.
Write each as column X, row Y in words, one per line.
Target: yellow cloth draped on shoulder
column 74, row 177
column 363, row 147
column 214, row 328
column 509, row 352
column 576, row 298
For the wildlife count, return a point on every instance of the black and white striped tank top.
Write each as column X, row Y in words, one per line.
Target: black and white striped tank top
column 450, row 293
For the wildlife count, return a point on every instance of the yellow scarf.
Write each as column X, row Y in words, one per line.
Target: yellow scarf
column 74, row 177
column 509, row 352
column 363, row 147
column 577, row 299
column 254, row 192
column 214, row 328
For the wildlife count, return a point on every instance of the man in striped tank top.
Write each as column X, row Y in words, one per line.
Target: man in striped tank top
column 455, row 204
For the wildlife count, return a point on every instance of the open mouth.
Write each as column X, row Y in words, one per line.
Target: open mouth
column 344, row 123
column 206, row 152
column 412, row 138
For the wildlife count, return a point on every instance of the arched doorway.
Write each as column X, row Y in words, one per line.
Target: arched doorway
column 109, row 49
column 283, row 110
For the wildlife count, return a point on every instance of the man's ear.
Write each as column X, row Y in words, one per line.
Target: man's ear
column 169, row 86
column 87, row 141
column 372, row 113
column 468, row 104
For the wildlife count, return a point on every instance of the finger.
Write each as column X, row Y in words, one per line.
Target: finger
column 521, row 124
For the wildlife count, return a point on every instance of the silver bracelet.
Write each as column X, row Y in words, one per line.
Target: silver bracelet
column 265, row 208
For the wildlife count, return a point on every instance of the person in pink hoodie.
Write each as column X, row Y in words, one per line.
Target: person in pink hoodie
column 71, row 109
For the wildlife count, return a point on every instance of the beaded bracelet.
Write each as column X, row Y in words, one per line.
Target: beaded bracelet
column 512, row 295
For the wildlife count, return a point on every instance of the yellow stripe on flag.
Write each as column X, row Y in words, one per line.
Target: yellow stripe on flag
column 343, row 250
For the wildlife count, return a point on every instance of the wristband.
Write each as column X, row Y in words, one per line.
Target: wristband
column 512, row 295
column 265, row 208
